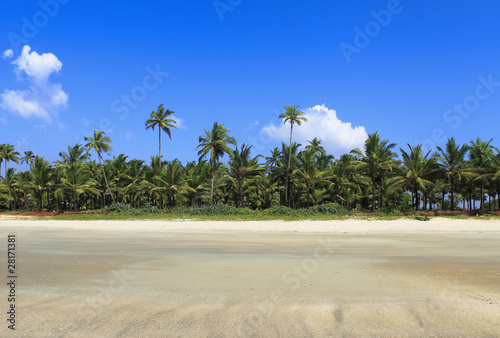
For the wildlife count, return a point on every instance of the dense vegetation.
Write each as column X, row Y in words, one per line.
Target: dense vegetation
column 290, row 177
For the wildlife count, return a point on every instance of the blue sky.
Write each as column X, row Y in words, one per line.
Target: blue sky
column 416, row 71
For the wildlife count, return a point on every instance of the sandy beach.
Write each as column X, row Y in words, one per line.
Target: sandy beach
column 274, row 279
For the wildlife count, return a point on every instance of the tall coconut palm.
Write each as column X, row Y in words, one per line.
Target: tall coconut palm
column 315, row 143
column 43, row 178
column 417, row 171
column 100, row 143
column 242, row 167
column 376, row 159
column 28, row 158
column 216, row 143
column 308, row 173
column 76, row 182
column 5, row 197
column 160, row 118
column 75, row 156
column 481, row 154
column 25, row 183
column 198, row 173
column 452, row 162
column 8, row 153
column 171, row 182
column 293, row 115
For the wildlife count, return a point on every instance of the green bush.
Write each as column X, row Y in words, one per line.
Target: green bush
column 280, row 210
column 150, row 209
column 330, row 208
column 217, row 210
column 119, row 207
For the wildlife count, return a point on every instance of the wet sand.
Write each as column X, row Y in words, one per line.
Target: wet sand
column 293, row 279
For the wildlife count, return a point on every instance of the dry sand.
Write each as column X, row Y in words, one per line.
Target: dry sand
column 281, row 279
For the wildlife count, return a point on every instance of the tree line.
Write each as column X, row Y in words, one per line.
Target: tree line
column 373, row 178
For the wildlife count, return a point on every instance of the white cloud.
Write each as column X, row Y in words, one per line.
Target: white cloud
column 337, row 137
column 9, row 53
column 23, row 102
column 42, row 98
column 179, row 122
column 253, row 124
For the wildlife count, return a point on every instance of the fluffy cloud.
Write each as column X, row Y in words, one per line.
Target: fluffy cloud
column 42, row 98
column 253, row 124
column 337, row 137
column 179, row 122
column 9, row 53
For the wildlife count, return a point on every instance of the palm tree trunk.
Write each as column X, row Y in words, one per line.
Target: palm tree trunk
column 452, row 208
column 481, row 203
column 308, row 190
column 40, row 201
column 6, row 167
column 159, row 147
column 105, row 178
column 381, row 202
column 240, row 196
column 212, row 188
column 288, row 167
column 374, row 190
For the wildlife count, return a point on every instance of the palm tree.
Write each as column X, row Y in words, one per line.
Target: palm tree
column 216, row 143
column 8, row 153
column 452, row 161
column 5, row 197
column 376, row 159
column 292, row 115
column 308, row 172
column 159, row 118
column 76, row 155
column 100, row 143
column 43, row 178
column 481, row 153
column 241, row 168
column 25, row 183
column 315, row 143
column 417, row 169
column 172, row 182
column 28, row 158
column 76, row 182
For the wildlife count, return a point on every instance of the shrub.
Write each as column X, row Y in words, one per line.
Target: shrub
column 280, row 210
column 150, row 209
column 119, row 207
column 217, row 210
column 330, row 208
